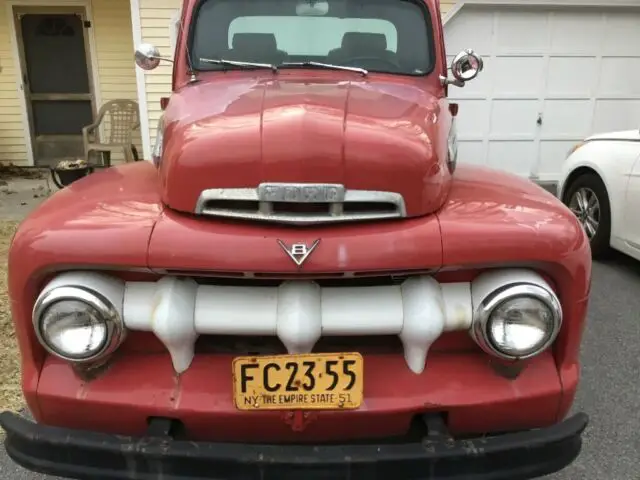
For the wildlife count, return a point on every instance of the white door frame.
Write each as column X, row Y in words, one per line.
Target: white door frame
column 86, row 4
column 145, row 132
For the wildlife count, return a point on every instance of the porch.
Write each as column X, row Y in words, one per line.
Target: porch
column 60, row 61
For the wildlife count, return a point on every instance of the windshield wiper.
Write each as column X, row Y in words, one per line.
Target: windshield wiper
column 359, row 70
column 233, row 63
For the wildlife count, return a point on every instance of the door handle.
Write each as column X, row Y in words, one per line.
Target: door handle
column 25, row 79
column 539, row 121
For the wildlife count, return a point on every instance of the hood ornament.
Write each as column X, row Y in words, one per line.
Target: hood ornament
column 299, row 252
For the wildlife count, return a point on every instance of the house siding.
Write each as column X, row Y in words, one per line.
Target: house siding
column 113, row 40
column 155, row 21
column 114, row 50
column 12, row 142
column 446, row 5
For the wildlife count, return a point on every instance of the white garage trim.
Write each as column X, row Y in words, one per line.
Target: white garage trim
column 541, row 3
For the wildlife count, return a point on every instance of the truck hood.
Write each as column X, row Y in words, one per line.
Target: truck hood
column 238, row 132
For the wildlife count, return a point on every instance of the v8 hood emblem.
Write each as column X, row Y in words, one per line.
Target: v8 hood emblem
column 299, row 252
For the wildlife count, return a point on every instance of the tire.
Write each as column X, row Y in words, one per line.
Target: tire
column 590, row 184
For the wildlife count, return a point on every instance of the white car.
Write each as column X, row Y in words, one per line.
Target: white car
column 600, row 183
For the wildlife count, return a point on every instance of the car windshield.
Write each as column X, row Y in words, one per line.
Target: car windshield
column 392, row 36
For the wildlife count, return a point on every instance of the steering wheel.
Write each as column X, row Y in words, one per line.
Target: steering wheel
column 350, row 61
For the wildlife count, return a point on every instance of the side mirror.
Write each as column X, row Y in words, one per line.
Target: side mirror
column 148, row 56
column 465, row 66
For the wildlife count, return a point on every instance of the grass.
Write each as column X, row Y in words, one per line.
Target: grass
column 10, row 390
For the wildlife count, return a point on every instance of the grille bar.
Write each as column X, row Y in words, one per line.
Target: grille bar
column 300, row 203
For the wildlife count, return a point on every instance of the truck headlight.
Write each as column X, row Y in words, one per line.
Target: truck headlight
column 517, row 321
column 77, row 324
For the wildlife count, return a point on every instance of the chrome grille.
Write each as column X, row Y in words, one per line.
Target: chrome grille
column 300, row 203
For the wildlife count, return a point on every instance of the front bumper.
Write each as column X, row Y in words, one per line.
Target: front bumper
column 95, row 456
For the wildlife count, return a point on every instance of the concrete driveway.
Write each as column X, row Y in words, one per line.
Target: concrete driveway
column 609, row 392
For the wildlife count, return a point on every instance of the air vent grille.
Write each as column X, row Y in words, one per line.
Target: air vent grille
column 301, row 204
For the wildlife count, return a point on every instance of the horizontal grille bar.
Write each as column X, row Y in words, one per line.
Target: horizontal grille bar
column 272, row 345
column 300, row 204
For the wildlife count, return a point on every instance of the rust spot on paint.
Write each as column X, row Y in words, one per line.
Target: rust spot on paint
column 176, row 392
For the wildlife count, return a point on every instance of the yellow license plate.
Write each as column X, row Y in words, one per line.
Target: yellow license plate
column 292, row 382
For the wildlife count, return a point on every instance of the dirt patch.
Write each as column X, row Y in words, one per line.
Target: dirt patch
column 10, row 172
column 19, row 195
column 10, row 389
column 21, row 190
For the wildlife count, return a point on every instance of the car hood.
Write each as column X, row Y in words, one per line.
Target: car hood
column 631, row 135
column 238, row 132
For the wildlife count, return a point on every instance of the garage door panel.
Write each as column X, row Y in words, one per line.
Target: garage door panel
column 612, row 115
column 473, row 152
column 572, row 77
column 620, row 77
column 551, row 152
column 519, row 31
column 515, row 157
column 579, row 68
column 576, row 33
column 622, row 34
column 517, row 76
column 566, row 118
column 514, row 117
column 473, row 120
column 473, row 30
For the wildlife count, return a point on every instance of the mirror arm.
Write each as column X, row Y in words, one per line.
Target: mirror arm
column 451, row 81
column 166, row 59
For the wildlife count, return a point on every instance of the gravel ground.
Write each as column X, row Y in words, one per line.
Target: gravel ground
column 609, row 392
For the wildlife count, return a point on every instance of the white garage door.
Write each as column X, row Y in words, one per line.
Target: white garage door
column 551, row 78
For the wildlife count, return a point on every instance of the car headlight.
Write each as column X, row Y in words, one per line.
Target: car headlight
column 77, row 324
column 517, row 321
column 573, row 149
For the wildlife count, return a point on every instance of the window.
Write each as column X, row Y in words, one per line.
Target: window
column 392, row 36
column 309, row 36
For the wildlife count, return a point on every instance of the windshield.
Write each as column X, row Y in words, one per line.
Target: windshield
column 392, row 36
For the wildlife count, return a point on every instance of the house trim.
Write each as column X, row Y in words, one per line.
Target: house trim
column 86, row 4
column 539, row 3
column 145, row 132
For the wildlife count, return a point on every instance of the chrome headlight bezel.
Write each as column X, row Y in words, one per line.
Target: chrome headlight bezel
column 113, row 321
column 483, row 317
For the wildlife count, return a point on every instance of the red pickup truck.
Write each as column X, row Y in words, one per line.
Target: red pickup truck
column 303, row 283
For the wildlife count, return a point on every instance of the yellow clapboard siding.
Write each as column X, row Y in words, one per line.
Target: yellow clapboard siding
column 11, row 121
column 6, row 131
column 13, row 147
column 446, row 5
column 155, row 23
column 114, row 45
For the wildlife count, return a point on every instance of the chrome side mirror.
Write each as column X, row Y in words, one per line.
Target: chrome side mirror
column 148, row 56
column 465, row 66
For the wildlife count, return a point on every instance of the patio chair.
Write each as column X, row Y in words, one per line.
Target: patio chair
column 113, row 131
